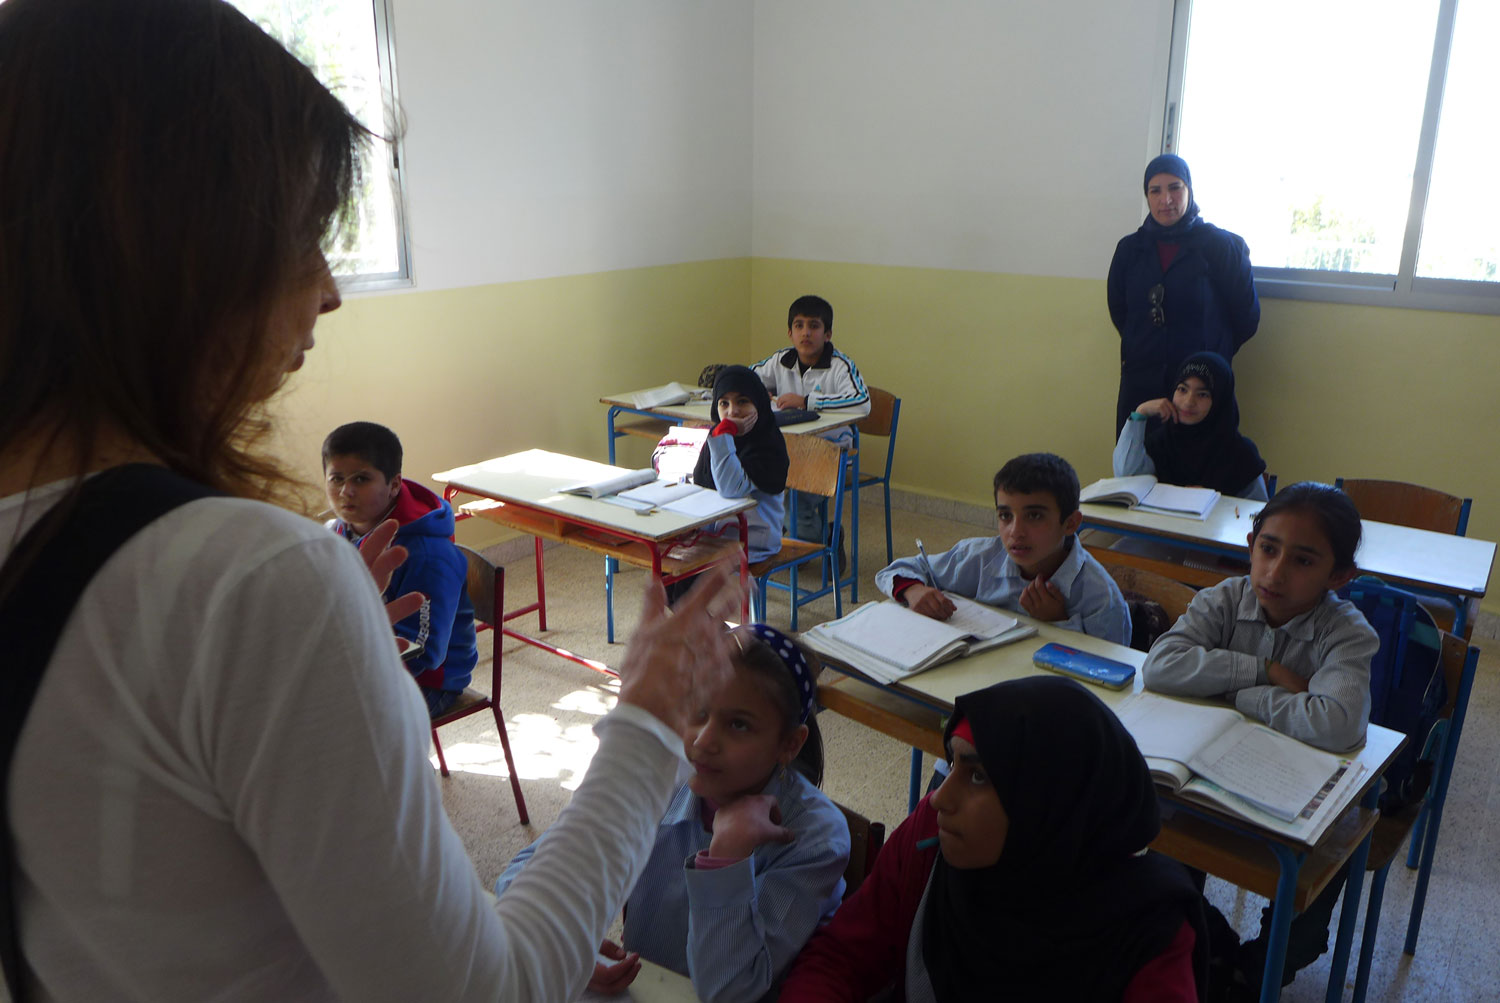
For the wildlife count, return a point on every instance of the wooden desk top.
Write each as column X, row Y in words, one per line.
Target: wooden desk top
column 1399, row 554
column 532, row 479
column 696, row 413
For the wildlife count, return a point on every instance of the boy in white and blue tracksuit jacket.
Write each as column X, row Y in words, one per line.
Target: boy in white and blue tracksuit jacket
column 814, row 375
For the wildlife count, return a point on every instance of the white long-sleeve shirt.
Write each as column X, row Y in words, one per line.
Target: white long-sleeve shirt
column 223, row 792
column 1220, row 646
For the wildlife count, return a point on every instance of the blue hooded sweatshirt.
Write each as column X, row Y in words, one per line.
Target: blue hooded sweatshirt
column 444, row 626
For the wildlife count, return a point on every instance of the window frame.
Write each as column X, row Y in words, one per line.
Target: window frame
column 1403, row 289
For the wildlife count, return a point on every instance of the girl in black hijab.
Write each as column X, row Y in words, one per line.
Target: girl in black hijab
column 1039, row 889
column 745, row 456
column 1198, row 441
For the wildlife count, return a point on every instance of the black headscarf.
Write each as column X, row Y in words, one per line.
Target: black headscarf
column 1174, row 165
column 1211, row 453
column 1069, row 912
column 762, row 450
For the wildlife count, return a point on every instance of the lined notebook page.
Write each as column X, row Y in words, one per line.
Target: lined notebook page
column 1278, row 773
column 977, row 619
column 894, row 633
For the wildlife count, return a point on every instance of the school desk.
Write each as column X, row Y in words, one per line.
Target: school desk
column 521, row 492
column 1288, row 871
column 654, row 984
column 657, row 420
column 1453, row 568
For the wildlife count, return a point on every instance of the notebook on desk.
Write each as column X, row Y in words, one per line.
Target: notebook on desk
column 1215, row 755
column 888, row 642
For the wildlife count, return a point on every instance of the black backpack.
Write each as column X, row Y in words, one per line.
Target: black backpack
column 1407, row 688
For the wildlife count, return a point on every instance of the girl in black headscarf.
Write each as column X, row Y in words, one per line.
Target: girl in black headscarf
column 1039, row 889
column 745, row 456
column 1198, row 442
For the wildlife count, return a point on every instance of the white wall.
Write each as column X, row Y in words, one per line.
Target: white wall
column 967, row 134
column 559, row 137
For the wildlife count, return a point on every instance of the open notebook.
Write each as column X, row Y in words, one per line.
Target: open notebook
column 1216, row 756
column 886, row 641
column 1146, row 493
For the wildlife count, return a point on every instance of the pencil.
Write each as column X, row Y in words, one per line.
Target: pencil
column 928, row 843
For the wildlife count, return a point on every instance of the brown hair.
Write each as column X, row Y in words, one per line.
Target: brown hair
column 167, row 170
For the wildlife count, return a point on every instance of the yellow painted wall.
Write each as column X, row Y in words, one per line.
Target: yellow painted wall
column 991, row 365
column 465, row 374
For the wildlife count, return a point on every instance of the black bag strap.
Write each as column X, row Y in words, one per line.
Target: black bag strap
column 111, row 508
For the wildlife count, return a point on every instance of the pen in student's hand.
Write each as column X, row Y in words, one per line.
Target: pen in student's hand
column 927, row 566
column 928, row 843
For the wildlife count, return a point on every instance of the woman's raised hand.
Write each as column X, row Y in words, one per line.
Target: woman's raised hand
column 678, row 656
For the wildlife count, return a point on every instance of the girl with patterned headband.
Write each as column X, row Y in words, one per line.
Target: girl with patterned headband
column 750, row 856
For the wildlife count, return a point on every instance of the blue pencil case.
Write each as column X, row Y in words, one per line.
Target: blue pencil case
column 1084, row 667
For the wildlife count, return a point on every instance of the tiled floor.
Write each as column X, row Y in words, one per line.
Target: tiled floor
column 549, row 705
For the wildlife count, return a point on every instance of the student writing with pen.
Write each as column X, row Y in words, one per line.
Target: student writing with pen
column 1034, row 566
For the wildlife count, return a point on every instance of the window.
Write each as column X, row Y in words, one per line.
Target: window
column 347, row 43
column 1350, row 142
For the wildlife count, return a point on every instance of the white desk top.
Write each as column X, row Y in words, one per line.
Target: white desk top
column 532, row 478
column 697, row 412
column 654, row 984
column 943, row 685
column 1399, row 554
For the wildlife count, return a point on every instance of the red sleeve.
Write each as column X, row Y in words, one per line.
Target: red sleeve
column 1168, row 977
column 862, row 950
column 901, row 585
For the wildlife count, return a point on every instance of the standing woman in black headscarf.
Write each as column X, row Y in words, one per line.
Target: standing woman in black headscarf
column 1177, row 285
column 1023, row 876
column 745, row 456
column 1197, row 442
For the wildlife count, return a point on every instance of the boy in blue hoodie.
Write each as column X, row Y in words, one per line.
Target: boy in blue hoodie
column 362, row 478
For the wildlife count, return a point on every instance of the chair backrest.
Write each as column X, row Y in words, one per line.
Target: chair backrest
column 865, row 840
column 1144, row 590
column 881, row 420
column 1408, row 682
column 816, row 465
column 1407, row 505
column 484, row 587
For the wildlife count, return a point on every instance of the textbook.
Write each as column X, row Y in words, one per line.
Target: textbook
column 611, row 485
column 1216, row 756
column 887, row 642
column 672, row 393
column 1144, row 492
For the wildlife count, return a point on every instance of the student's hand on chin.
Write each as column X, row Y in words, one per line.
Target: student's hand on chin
column 616, row 978
column 677, row 657
column 382, row 560
column 1160, row 407
column 1044, row 601
column 930, row 602
column 748, row 422
column 745, row 823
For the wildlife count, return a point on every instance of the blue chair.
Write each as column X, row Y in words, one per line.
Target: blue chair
column 883, row 419
column 1419, row 822
column 817, row 467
